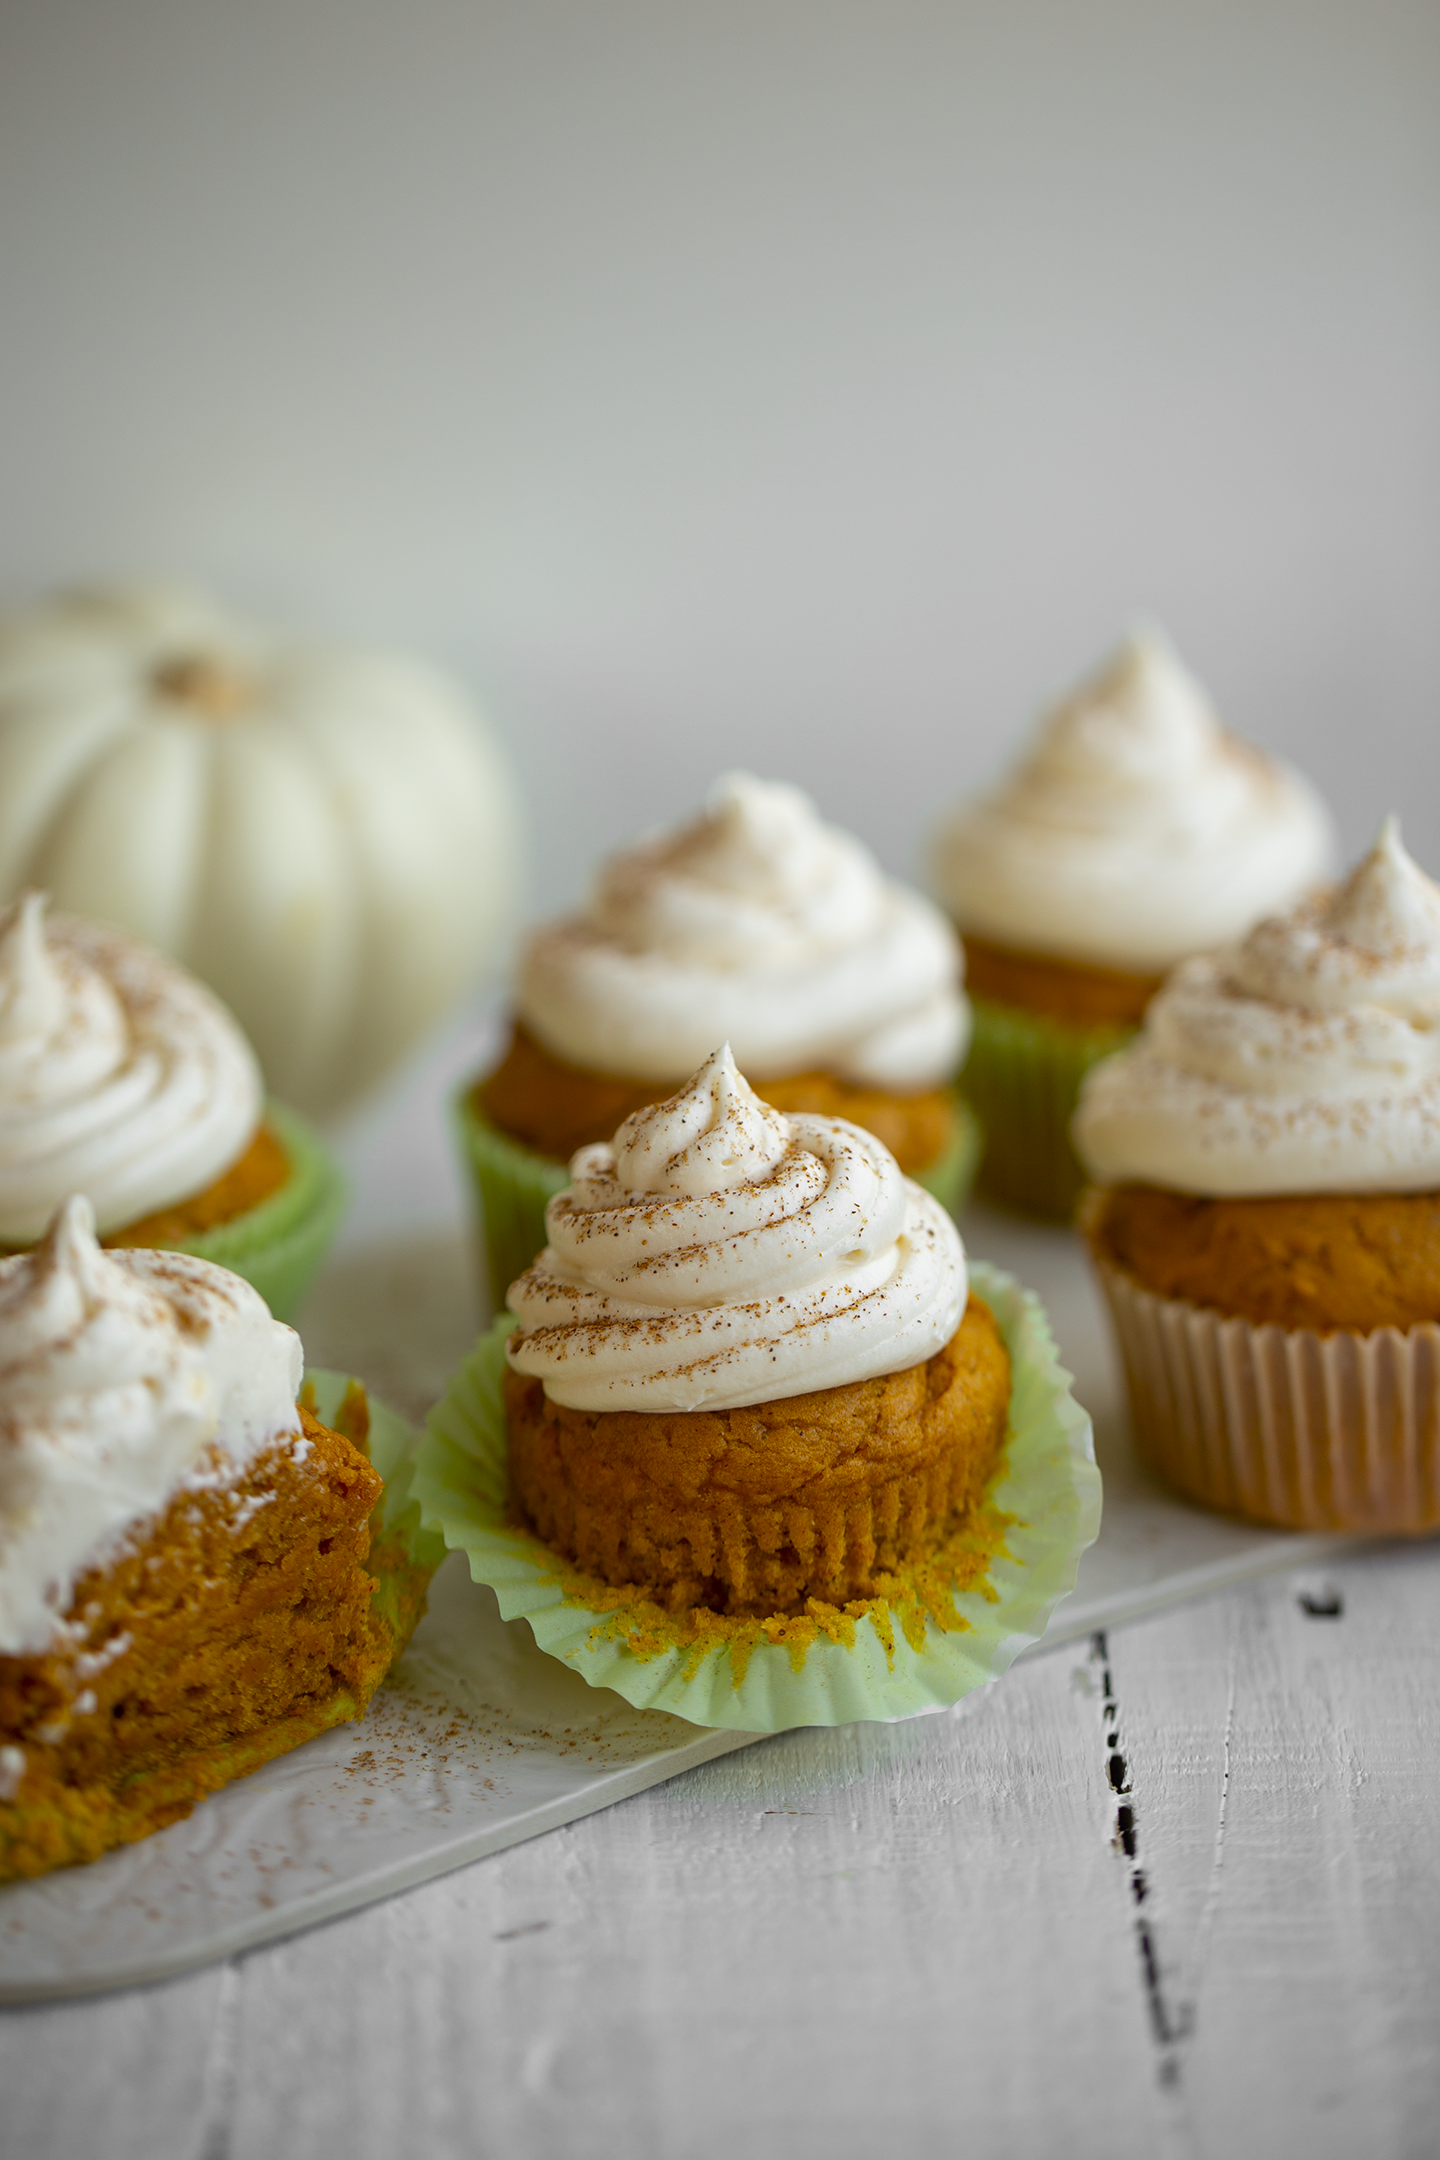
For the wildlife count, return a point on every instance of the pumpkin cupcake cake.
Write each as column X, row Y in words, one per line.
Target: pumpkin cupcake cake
column 1266, row 1212
column 839, row 991
column 123, row 1078
column 747, row 1372
column 757, row 1444
column 1135, row 832
column 194, row 1576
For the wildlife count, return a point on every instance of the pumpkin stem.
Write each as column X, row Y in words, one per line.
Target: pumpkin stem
column 212, row 688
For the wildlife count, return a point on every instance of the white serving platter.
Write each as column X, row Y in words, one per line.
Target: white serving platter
column 481, row 1740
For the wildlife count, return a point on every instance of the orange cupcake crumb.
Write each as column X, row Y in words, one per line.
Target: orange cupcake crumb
column 1070, row 991
column 1324, row 1261
column 236, row 1623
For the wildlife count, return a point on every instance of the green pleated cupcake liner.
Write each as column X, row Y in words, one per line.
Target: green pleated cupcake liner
column 404, row 1554
column 278, row 1246
column 1023, row 1076
column 514, row 1183
column 1046, row 1488
column 951, row 1175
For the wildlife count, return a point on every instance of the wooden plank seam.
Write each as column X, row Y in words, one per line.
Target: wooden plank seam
column 222, row 2069
column 1170, row 2027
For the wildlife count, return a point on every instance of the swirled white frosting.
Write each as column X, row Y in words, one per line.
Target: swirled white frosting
column 1136, row 831
column 718, row 1253
column 122, row 1376
column 760, row 923
column 120, row 1076
column 1305, row 1060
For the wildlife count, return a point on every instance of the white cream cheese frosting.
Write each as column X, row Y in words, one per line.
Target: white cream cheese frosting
column 1136, row 831
column 120, row 1076
column 718, row 1253
column 760, row 923
column 123, row 1376
column 1305, row 1060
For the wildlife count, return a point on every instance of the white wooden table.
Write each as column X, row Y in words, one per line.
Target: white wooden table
column 1173, row 1891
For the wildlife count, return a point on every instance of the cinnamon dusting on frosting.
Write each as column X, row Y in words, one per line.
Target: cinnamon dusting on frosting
column 1136, row 830
column 759, row 922
column 718, row 1253
column 1307, row 1059
column 122, row 1375
column 120, row 1075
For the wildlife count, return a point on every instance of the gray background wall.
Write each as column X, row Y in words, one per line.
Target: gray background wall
column 792, row 382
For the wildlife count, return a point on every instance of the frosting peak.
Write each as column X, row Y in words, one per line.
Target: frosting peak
column 120, row 1076
column 70, row 1282
column 122, row 1375
column 1307, row 1059
column 32, row 996
column 715, row 1134
column 718, row 1253
column 1374, row 941
column 1136, row 830
column 1141, row 718
column 757, row 921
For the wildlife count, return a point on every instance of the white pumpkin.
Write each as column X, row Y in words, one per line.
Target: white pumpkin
column 327, row 837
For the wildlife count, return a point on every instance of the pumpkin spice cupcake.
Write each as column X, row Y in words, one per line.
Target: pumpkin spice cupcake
column 746, row 1372
column 1136, row 831
column 758, row 1445
column 124, row 1078
column 839, row 990
column 194, row 1576
column 1266, row 1219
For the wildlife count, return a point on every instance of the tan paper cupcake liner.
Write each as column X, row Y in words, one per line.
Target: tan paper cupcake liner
column 1283, row 1425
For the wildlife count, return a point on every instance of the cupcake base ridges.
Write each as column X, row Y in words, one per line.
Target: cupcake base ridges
column 1023, row 1076
column 881, row 1658
column 513, row 1185
column 1285, row 1426
column 184, row 1738
column 279, row 1245
column 762, row 1509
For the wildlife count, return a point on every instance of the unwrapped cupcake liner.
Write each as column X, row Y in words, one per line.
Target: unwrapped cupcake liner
column 391, row 1448
column 1283, row 1425
column 514, row 1183
column 1023, row 1076
column 1046, row 1484
column 278, row 1245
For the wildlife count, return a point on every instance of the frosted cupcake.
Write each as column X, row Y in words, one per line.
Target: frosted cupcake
column 1267, row 1215
column 1136, row 832
column 747, row 1370
column 123, row 1078
column 196, row 1574
column 758, row 1444
column 839, row 991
